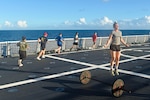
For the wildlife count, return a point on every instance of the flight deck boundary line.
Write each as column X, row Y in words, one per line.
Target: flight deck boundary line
column 91, row 67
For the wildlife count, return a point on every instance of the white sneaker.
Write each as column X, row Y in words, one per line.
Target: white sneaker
column 20, row 65
column 112, row 72
column 38, row 58
column 116, row 71
column 43, row 56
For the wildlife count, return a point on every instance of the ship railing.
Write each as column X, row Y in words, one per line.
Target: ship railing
column 10, row 48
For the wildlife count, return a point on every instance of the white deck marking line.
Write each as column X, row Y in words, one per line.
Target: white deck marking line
column 128, row 56
column 80, row 51
column 92, row 66
column 132, row 49
column 51, row 76
column 104, row 65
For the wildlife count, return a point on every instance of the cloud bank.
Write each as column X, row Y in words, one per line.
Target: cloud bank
column 106, row 23
column 17, row 25
column 83, row 23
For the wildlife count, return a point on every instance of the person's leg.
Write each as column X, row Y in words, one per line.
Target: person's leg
column 59, row 49
column 112, row 61
column 20, row 59
column 117, row 62
column 117, row 59
column 40, row 54
column 71, row 48
column 24, row 54
column 56, row 50
column 20, row 63
column 76, row 46
column 113, row 57
column 43, row 54
column 94, row 44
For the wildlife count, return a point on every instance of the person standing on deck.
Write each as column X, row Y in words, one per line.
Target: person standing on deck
column 115, row 39
column 94, row 38
column 22, row 51
column 60, row 41
column 42, row 40
column 76, row 40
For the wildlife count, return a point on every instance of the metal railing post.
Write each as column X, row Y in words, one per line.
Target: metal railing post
column 100, row 41
column 8, row 49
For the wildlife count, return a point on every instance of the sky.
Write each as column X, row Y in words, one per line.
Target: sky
column 73, row 14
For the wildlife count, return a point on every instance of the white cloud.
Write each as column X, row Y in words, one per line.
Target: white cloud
column 105, row 21
column 8, row 24
column 137, row 23
column 99, row 23
column 81, row 21
column 68, row 22
column 147, row 19
column 22, row 23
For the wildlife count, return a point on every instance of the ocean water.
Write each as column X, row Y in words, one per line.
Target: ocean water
column 15, row 35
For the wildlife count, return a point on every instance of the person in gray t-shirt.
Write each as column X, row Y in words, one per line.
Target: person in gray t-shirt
column 115, row 39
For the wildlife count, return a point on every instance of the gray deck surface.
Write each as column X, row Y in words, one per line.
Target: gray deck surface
column 44, row 84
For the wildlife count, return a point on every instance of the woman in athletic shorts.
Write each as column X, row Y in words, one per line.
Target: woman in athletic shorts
column 76, row 40
column 116, row 39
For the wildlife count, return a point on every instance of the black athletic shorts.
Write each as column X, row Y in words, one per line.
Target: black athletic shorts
column 43, row 46
column 115, row 47
column 22, row 54
column 75, row 43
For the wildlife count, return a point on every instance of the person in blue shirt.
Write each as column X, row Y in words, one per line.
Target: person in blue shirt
column 60, row 41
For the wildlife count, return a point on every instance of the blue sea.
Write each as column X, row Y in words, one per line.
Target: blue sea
column 15, row 35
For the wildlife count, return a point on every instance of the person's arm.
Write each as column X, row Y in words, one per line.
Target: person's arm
column 108, row 41
column 39, row 40
column 123, row 42
column 27, row 46
column 62, row 40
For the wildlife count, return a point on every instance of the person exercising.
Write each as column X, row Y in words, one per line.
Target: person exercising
column 115, row 39
column 76, row 40
column 42, row 40
column 60, row 42
column 22, row 51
